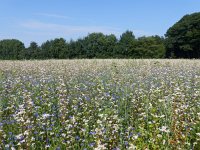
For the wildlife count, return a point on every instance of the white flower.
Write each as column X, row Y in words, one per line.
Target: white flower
column 164, row 129
column 132, row 147
column 32, row 139
column 21, row 106
column 21, row 112
column 100, row 146
column 41, row 133
column 164, row 142
column 47, row 146
column 115, row 117
column 73, row 119
column 51, row 133
column 162, row 116
column 19, row 144
column 23, row 141
column 26, row 133
column 159, row 135
column 161, row 100
column 19, row 136
column 45, row 116
column 135, row 137
column 198, row 115
column 28, row 121
column 12, row 148
column 198, row 134
column 99, row 121
column 101, row 115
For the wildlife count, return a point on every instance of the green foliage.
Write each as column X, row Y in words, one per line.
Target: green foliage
column 95, row 45
column 33, row 51
column 183, row 38
column 56, row 48
column 150, row 47
column 11, row 49
column 126, row 45
column 98, row 45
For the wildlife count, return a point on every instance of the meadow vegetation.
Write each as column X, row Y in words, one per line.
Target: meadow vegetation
column 100, row 104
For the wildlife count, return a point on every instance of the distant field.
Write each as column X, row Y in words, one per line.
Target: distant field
column 100, row 104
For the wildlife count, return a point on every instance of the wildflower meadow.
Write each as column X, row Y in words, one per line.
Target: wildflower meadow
column 100, row 104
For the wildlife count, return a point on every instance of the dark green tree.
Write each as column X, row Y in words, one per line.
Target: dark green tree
column 110, row 44
column 59, row 48
column 33, row 51
column 183, row 38
column 75, row 48
column 12, row 49
column 150, row 47
column 55, row 49
column 126, row 45
column 45, row 47
column 95, row 45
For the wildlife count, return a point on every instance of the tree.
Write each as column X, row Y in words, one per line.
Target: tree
column 183, row 38
column 12, row 49
column 57, row 48
column 109, row 46
column 76, row 49
column 45, row 47
column 150, row 47
column 33, row 51
column 73, row 49
column 95, row 45
column 126, row 45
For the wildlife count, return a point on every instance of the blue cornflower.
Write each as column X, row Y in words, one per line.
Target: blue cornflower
column 77, row 138
column 35, row 114
column 92, row 133
column 58, row 148
column 49, row 129
column 91, row 144
column 126, row 143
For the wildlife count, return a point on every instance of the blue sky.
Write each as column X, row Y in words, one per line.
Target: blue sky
column 41, row 20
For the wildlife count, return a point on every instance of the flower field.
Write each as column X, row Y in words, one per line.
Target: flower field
column 100, row 104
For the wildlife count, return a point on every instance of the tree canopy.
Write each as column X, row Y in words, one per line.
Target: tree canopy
column 183, row 38
column 11, row 49
column 94, row 45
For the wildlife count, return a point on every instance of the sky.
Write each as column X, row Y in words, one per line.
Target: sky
column 41, row 20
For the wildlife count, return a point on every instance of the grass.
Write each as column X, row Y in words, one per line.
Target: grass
column 100, row 104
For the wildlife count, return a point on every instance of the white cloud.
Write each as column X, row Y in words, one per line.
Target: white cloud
column 52, row 15
column 41, row 31
column 69, row 30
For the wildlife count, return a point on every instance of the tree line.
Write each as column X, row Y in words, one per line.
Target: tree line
column 182, row 40
column 95, row 45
